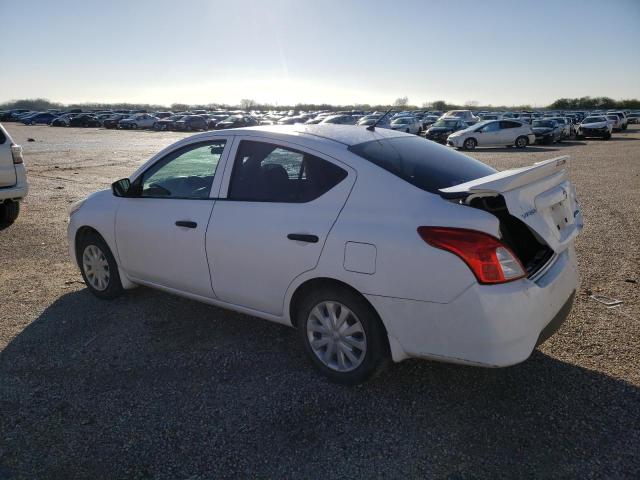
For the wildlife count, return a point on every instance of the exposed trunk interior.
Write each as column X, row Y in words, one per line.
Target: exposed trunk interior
column 532, row 251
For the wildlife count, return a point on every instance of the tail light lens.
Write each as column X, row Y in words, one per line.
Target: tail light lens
column 489, row 259
column 16, row 153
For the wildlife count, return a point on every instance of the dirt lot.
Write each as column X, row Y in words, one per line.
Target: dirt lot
column 155, row 386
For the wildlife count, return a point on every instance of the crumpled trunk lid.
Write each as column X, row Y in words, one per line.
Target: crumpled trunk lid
column 541, row 196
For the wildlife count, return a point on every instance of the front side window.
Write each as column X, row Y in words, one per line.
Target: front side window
column 264, row 172
column 491, row 127
column 186, row 173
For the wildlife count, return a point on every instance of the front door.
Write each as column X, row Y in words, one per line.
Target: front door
column 489, row 134
column 160, row 233
column 281, row 203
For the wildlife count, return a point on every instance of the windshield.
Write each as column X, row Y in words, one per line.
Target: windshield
column 594, row 120
column 445, row 123
column 402, row 120
column 542, row 123
column 233, row 118
column 425, row 165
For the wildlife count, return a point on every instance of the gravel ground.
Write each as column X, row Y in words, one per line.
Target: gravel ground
column 155, row 386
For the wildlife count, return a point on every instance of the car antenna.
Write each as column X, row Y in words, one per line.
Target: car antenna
column 372, row 127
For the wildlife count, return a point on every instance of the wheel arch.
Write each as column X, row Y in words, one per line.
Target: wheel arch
column 323, row 282
column 86, row 230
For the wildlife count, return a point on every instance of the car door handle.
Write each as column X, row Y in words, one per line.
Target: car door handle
column 302, row 237
column 186, row 223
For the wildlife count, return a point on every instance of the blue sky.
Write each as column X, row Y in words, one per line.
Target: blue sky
column 336, row 51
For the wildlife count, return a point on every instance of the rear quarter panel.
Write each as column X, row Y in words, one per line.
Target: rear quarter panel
column 385, row 211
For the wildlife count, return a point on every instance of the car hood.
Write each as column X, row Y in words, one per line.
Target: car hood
column 594, row 125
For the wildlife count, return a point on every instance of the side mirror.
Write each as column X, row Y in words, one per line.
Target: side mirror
column 121, row 188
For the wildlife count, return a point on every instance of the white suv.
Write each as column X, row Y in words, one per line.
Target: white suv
column 13, row 179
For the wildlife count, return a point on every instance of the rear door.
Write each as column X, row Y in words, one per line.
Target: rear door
column 541, row 196
column 279, row 207
column 7, row 170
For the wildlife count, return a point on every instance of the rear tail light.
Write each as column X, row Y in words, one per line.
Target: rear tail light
column 16, row 153
column 489, row 259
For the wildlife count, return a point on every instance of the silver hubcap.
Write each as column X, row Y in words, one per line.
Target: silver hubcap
column 336, row 336
column 96, row 267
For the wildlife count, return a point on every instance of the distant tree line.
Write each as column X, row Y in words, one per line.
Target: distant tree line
column 583, row 103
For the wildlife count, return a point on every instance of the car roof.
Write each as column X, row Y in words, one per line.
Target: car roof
column 344, row 134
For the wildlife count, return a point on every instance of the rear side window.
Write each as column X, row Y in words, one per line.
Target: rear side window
column 508, row 124
column 422, row 164
column 2, row 137
column 264, row 172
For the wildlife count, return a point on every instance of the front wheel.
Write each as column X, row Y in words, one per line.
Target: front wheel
column 469, row 144
column 522, row 142
column 9, row 212
column 98, row 267
column 342, row 335
column 607, row 136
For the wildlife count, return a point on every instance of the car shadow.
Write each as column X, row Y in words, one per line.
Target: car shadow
column 153, row 385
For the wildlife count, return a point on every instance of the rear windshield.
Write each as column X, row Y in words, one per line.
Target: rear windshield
column 421, row 163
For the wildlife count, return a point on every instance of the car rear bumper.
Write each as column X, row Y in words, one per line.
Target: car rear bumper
column 487, row 325
column 20, row 189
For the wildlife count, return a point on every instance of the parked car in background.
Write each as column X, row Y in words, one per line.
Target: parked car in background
column 633, row 118
column 623, row 119
column 563, row 124
column 13, row 179
column 191, row 123
column 429, row 120
column 616, row 122
column 84, row 120
column 440, row 131
column 407, row 125
column 595, row 126
column 41, row 118
column 167, row 123
column 63, row 120
column 112, row 120
column 546, row 131
column 465, row 115
column 236, row 121
column 357, row 280
column 339, row 120
column 493, row 133
column 138, row 120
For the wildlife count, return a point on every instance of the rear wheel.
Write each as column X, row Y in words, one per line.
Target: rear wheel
column 342, row 335
column 98, row 267
column 9, row 212
column 469, row 144
column 522, row 142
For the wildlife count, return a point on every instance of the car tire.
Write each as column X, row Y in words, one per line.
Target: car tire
column 9, row 211
column 469, row 144
column 624, row 127
column 359, row 356
column 522, row 142
column 98, row 267
column 134, row 126
column 607, row 136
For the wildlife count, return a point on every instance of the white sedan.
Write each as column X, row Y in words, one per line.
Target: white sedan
column 374, row 244
column 407, row 125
